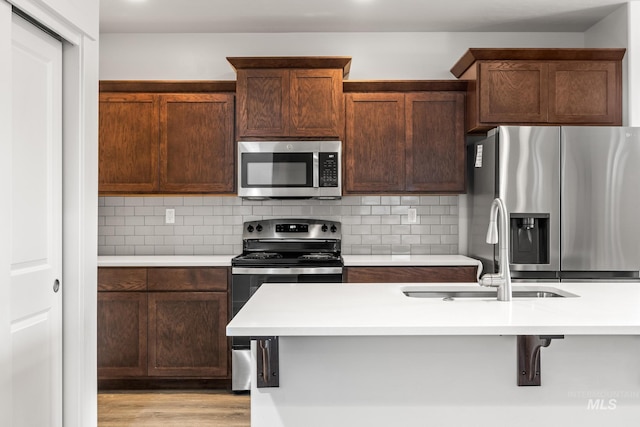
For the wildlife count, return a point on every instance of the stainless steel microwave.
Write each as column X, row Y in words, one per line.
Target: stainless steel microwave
column 290, row 169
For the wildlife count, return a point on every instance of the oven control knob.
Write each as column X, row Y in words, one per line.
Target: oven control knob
column 259, row 228
column 334, row 228
column 250, row 229
column 324, row 228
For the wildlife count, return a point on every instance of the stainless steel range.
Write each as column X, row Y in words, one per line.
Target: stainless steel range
column 280, row 251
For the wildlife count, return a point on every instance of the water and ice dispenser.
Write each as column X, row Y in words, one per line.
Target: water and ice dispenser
column 529, row 238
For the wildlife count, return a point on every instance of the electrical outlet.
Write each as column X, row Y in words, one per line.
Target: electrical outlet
column 170, row 216
column 412, row 216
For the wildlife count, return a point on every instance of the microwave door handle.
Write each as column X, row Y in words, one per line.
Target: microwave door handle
column 316, row 172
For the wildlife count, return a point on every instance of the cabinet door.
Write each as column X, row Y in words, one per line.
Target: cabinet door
column 585, row 92
column 435, row 145
column 316, row 103
column 196, row 143
column 122, row 334
column 128, row 142
column 263, row 109
column 374, row 145
column 187, row 334
column 513, row 92
column 410, row 274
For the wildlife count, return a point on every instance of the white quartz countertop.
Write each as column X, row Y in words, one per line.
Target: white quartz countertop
column 409, row 260
column 382, row 309
column 165, row 261
column 225, row 260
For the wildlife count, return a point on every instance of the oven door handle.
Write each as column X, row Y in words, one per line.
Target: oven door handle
column 287, row 270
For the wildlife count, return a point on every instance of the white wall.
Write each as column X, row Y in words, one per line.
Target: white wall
column 612, row 31
column 413, row 56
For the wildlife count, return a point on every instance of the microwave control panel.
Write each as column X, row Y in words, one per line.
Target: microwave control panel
column 328, row 169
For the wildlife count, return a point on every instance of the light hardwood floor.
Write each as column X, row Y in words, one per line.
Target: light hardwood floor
column 174, row 408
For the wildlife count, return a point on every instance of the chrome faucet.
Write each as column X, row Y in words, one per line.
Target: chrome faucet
column 501, row 279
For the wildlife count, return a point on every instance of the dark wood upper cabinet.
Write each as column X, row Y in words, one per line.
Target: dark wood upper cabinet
column 374, row 143
column 542, row 87
column 399, row 143
column 280, row 97
column 128, row 142
column 156, row 142
column 435, row 145
column 514, row 92
column 261, row 102
column 585, row 91
column 196, row 143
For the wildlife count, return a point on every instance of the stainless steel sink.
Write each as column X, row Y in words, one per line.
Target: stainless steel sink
column 450, row 293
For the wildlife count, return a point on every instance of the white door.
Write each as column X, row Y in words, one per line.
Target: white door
column 36, row 227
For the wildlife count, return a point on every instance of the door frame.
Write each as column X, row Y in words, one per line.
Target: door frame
column 80, row 212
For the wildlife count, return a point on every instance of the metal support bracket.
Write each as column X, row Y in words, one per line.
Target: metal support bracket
column 267, row 366
column 529, row 357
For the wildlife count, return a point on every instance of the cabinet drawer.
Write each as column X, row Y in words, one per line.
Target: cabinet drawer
column 188, row 279
column 122, row 279
column 410, row 274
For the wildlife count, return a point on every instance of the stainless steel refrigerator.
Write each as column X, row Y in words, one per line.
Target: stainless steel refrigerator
column 573, row 198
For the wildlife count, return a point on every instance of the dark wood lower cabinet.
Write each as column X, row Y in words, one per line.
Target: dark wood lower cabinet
column 436, row 274
column 122, row 334
column 187, row 334
column 163, row 328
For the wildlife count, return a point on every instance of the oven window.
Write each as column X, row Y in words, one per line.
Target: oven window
column 277, row 170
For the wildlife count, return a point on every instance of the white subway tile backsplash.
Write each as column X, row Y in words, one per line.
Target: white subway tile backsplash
column 106, row 211
column 124, row 211
column 124, row 230
column 114, row 201
column 390, row 200
column 429, row 200
column 134, row 220
column 371, row 200
column 114, row 220
column 391, row 219
column 371, row 239
column 211, row 225
column 193, row 201
column 134, row 240
column 146, row 210
column 153, row 240
column 114, row 240
column 194, row 220
column 410, row 200
column 165, row 230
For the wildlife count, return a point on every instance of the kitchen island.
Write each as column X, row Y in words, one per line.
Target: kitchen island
column 354, row 355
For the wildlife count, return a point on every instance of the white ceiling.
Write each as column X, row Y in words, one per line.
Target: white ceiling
column 282, row 16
